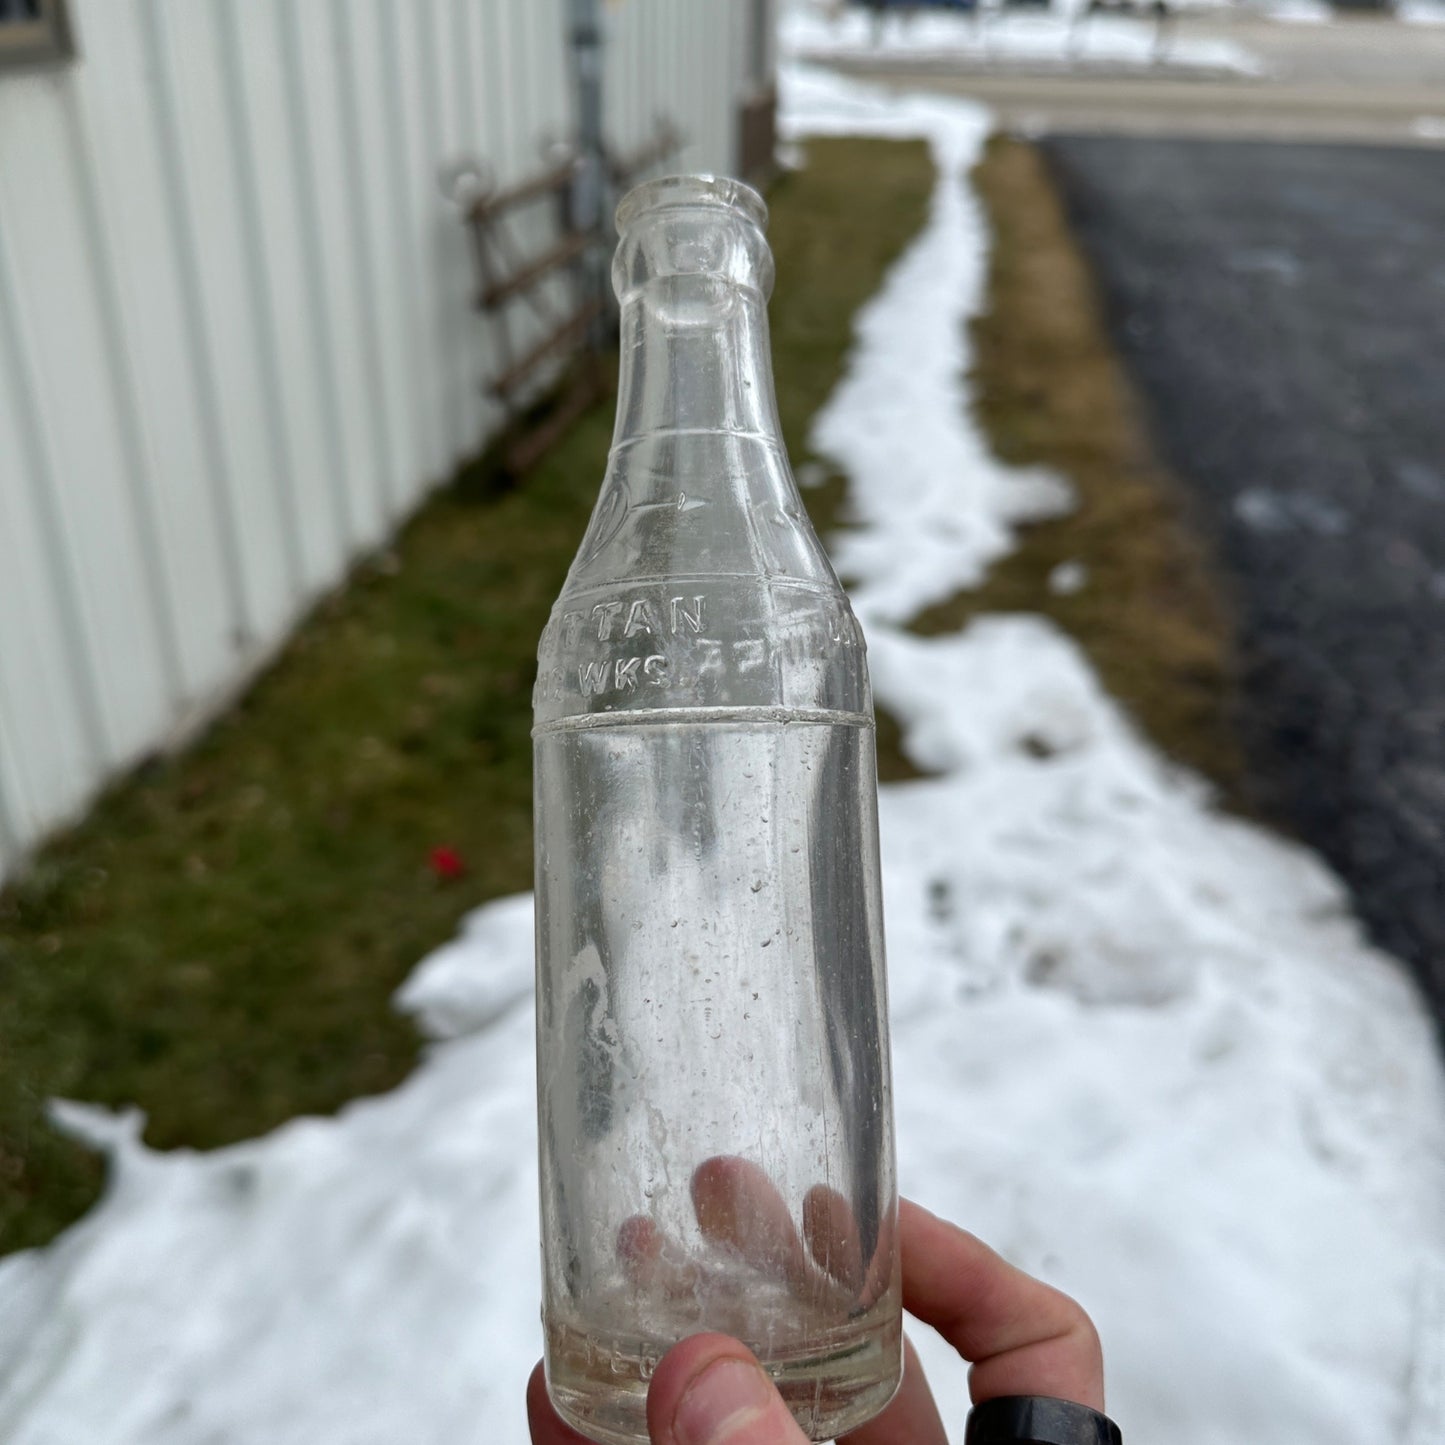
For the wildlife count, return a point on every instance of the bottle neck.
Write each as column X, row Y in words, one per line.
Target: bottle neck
column 695, row 359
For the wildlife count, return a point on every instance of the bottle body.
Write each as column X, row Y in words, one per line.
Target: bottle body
column 715, row 1119
column 701, row 1073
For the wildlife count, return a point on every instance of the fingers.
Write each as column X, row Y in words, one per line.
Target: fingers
column 831, row 1230
column 655, row 1262
column 1023, row 1336
column 832, row 1235
column 911, row 1417
column 710, row 1390
column 882, row 1269
column 546, row 1425
column 738, row 1205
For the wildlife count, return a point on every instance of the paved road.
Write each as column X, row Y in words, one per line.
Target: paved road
column 1282, row 308
column 1364, row 79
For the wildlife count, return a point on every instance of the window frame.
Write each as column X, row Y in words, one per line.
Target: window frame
column 46, row 40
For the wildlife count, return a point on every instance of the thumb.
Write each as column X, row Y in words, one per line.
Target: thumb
column 710, row 1390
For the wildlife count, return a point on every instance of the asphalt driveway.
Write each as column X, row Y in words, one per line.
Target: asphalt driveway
column 1282, row 310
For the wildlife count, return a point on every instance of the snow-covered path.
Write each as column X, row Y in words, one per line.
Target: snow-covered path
column 1139, row 1046
column 1062, row 36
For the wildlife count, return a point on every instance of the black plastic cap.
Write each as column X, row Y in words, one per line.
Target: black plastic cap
column 1038, row 1420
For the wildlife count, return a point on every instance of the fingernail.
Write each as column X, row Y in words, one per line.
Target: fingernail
column 726, row 1396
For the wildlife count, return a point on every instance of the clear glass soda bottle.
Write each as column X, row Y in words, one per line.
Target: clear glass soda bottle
column 716, row 1131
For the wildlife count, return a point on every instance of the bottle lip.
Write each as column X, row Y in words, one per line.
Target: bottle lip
column 691, row 191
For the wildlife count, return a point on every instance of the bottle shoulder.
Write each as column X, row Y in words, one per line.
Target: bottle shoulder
column 713, row 502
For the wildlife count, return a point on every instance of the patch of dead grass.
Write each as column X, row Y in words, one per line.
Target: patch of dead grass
column 1050, row 391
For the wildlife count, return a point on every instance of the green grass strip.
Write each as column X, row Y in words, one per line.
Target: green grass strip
column 219, row 941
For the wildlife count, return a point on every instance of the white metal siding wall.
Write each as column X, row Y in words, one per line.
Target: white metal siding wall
column 236, row 345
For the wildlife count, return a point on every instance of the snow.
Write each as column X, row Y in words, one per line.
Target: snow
column 1139, row 1045
column 1174, row 1080
column 1296, row 12
column 1051, row 38
column 1421, row 12
column 1068, row 578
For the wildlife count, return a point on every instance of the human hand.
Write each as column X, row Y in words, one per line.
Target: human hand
column 1021, row 1336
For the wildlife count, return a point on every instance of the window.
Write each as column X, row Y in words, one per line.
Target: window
column 33, row 32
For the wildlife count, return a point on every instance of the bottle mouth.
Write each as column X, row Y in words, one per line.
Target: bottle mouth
column 720, row 193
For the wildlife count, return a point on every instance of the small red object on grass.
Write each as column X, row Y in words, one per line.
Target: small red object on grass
column 446, row 863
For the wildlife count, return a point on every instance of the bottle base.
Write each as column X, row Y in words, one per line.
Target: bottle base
column 830, row 1389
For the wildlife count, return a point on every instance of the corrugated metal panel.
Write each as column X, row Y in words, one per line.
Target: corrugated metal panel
column 236, row 340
